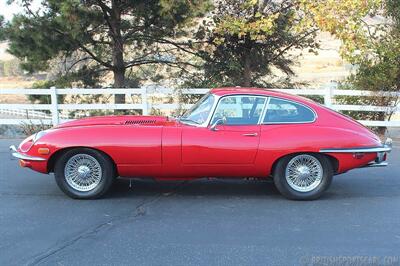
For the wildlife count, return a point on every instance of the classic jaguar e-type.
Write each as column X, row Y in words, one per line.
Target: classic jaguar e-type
column 229, row 133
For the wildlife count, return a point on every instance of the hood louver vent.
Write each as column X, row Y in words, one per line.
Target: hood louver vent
column 142, row 121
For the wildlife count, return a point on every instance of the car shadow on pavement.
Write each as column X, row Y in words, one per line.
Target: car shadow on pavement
column 123, row 188
column 343, row 187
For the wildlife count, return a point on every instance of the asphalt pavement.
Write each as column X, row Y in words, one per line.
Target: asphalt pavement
column 201, row 222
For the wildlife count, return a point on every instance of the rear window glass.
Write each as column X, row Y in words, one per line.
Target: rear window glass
column 282, row 111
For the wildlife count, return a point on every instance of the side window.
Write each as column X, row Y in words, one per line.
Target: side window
column 239, row 110
column 281, row 111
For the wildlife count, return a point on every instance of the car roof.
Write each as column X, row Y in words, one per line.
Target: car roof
column 259, row 91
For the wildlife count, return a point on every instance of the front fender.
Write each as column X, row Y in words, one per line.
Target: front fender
column 125, row 144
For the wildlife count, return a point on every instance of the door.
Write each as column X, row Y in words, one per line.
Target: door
column 234, row 142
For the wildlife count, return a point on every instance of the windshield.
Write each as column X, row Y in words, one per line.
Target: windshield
column 199, row 112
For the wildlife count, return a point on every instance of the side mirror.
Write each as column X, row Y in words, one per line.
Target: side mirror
column 219, row 121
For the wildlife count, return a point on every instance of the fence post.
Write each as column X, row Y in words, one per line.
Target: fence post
column 329, row 95
column 145, row 110
column 128, row 96
column 54, row 106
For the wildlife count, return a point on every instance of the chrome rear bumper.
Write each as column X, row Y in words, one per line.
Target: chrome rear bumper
column 381, row 151
column 375, row 164
column 21, row 156
column 379, row 161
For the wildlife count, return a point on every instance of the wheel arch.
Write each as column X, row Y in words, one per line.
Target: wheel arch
column 53, row 158
column 333, row 160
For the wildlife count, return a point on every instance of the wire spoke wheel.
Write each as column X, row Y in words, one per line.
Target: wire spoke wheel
column 83, row 172
column 304, row 173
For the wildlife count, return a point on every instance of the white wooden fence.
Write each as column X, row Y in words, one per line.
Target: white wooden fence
column 146, row 105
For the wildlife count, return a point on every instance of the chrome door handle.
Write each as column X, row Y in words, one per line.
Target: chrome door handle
column 250, row 134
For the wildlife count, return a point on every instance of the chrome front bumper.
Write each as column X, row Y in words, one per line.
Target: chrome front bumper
column 21, row 156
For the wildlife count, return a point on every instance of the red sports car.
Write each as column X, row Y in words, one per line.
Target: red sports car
column 230, row 132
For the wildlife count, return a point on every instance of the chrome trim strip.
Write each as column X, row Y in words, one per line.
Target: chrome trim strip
column 18, row 155
column 352, row 150
column 262, row 116
column 211, row 114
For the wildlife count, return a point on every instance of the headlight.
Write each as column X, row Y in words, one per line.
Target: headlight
column 38, row 135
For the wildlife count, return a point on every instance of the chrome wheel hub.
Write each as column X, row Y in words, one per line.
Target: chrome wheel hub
column 83, row 172
column 304, row 173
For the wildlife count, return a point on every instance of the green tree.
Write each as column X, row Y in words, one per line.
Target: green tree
column 372, row 44
column 246, row 41
column 1, row 27
column 109, row 35
column 345, row 19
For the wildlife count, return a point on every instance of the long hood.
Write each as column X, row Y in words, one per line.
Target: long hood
column 118, row 120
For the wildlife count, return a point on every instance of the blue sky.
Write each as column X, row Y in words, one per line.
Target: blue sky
column 8, row 11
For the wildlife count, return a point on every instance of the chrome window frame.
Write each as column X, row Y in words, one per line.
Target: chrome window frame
column 283, row 123
column 268, row 98
column 219, row 98
column 205, row 123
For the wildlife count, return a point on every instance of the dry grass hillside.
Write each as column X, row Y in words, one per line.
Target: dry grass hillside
column 4, row 56
column 321, row 68
column 13, row 81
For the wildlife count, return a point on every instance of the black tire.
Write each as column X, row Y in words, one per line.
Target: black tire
column 289, row 192
column 107, row 174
